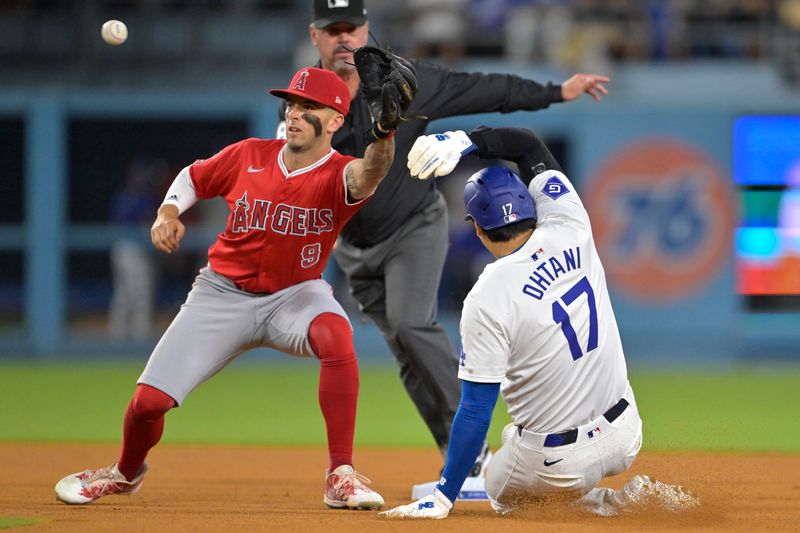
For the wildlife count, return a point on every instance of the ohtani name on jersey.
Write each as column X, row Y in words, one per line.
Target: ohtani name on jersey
column 550, row 269
column 280, row 218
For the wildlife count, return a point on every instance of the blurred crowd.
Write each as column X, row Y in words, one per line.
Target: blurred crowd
column 563, row 33
column 573, row 33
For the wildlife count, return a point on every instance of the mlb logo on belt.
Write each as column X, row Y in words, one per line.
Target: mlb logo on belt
column 338, row 3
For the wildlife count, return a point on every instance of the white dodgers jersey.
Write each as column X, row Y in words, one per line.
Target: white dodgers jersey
column 540, row 320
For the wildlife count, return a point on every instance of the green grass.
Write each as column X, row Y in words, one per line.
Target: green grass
column 252, row 403
column 7, row 522
column 734, row 411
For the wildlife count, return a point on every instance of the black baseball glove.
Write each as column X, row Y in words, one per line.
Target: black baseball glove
column 389, row 83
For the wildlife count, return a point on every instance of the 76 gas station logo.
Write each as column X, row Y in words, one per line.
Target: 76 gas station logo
column 662, row 214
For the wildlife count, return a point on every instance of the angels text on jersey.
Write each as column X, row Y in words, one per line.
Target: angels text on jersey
column 257, row 214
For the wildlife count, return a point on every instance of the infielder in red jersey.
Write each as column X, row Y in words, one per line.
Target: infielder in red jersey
column 262, row 286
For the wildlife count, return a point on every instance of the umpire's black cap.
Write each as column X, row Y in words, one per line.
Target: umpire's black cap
column 327, row 12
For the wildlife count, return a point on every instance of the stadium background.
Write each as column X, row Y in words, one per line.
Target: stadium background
column 92, row 134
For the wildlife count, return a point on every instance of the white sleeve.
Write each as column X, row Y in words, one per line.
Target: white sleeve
column 555, row 196
column 181, row 193
column 280, row 132
column 485, row 348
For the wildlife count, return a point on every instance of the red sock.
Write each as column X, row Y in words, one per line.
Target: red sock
column 331, row 339
column 142, row 428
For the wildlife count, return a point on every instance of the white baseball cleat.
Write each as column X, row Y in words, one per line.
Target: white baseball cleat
column 89, row 485
column 344, row 487
column 435, row 506
column 641, row 491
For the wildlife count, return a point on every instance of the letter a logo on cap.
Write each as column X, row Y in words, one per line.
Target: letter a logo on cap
column 338, row 100
column 300, row 84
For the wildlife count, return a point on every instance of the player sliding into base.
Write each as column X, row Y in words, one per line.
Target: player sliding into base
column 538, row 326
column 288, row 201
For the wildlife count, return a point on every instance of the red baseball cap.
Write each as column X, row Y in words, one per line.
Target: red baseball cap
column 320, row 86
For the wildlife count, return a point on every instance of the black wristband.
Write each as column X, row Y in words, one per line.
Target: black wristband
column 379, row 133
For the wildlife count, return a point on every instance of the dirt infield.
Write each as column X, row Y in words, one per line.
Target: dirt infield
column 275, row 489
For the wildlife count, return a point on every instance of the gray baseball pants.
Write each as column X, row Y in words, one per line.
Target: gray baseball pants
column 219, row 321
column 396, row 284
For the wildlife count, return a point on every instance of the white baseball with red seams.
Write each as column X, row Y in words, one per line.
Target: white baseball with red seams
column 114, row 32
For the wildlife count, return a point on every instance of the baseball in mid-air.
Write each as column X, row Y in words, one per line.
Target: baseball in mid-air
column 114, row 32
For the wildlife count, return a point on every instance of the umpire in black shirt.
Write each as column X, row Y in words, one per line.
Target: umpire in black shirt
column 393, row 250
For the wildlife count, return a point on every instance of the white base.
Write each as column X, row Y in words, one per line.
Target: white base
column 473, row 490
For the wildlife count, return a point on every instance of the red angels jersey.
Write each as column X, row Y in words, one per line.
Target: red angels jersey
column 282, row 225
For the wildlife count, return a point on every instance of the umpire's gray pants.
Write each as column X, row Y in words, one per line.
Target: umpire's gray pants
column 396, row 283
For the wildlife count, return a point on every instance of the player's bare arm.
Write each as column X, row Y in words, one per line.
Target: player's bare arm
column 167, row 230
column 364, row 175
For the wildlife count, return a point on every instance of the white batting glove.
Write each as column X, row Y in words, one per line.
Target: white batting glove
column 438, row 154
column 434, row 506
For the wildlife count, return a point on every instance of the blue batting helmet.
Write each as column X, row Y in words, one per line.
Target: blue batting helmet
column 495, row 197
